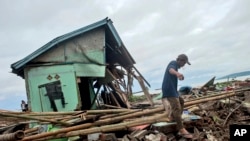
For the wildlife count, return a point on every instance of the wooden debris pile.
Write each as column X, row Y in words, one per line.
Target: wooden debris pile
column 218, row 115
column 220, row 109
column 81, row 123
column 217, row 109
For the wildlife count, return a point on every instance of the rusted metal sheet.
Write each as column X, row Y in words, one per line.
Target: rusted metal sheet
column 87, row 48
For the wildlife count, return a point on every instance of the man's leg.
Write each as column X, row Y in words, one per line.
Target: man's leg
column 182, row 103
column 176, row 111
column 167, row 107
column 177, row 105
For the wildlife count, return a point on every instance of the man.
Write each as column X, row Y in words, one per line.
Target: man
column 171, row 99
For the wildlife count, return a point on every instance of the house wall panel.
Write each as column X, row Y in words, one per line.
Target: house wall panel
column 38, row 76
column 85, row 48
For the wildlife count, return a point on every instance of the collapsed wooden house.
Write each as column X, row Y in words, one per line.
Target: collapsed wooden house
column 69, row 72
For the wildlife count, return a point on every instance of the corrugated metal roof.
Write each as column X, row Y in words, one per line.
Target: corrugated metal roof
column 18, row 66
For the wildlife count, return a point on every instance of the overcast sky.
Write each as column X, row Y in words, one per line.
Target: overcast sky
column 215, row 35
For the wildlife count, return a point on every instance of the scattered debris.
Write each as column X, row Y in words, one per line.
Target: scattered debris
column 210, row 120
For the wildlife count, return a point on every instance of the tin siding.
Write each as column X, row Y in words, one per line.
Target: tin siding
column 87, row 48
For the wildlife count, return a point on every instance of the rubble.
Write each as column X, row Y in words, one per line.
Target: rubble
column 207, row 116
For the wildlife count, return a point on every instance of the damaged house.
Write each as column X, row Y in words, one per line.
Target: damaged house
column 70, row 71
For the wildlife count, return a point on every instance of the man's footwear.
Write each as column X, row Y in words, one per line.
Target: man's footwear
column 187, row 135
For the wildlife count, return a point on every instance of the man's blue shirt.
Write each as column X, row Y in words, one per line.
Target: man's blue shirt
column 169, row 85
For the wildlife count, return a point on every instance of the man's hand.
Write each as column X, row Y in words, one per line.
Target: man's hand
column 180, row 76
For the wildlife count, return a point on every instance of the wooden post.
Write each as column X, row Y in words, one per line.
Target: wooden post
column 145, row 90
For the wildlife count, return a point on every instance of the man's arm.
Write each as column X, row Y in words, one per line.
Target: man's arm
column 176, row 73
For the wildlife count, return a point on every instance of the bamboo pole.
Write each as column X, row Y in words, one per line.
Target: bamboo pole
column 44, row 113
column 34, row 118
column 107, row 111
column 222, row 93
column 130, row 115
column 69, row 117
column 99, row 122
column 211, row 95
column 111, row 106
column 28, row 131
column 189, row 103
column 119, row 114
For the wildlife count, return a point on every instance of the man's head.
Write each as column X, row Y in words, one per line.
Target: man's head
column 183, row 59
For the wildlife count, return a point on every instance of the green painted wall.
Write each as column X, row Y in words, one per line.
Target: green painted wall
column 89, row 70
column 42, row 75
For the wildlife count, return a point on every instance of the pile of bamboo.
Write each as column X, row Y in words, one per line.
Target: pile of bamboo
column 87, row 122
